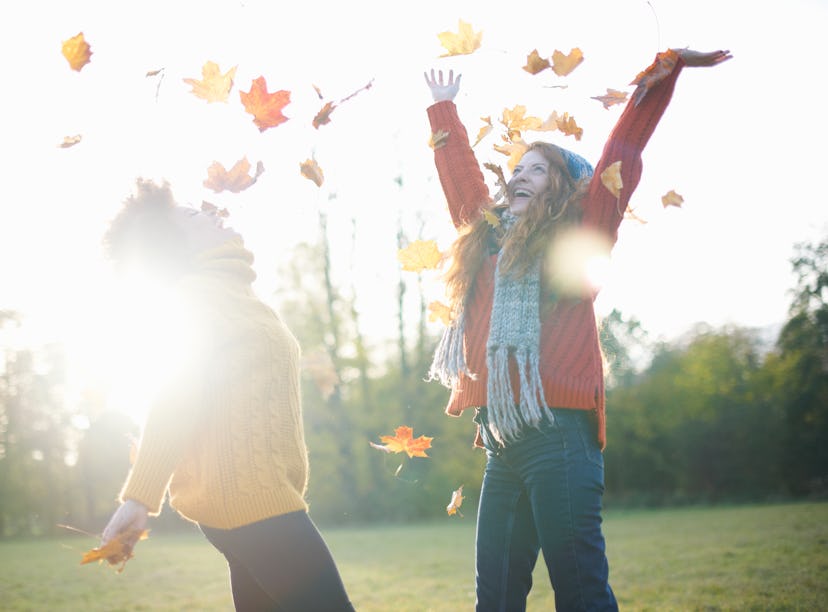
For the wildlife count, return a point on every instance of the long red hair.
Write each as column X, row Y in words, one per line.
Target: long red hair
column 557, row 208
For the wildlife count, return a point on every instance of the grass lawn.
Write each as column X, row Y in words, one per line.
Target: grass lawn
column 770, row 557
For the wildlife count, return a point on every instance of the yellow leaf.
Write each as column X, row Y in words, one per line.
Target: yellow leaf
column 117, row 550
column 76, row 51
column 438, row 139
column 514, row 149
column 311, row 171
column 439, row 311
column 484, row 131
column 611, row 178
column 535, row 63
column 491, row 218
column 613, row 96
column 420, row 255
column 456, row 501
column 515, row 119
column 562, row 64
column 213, row 86
column 671, row 198
column 464, row 42
column 551, row 123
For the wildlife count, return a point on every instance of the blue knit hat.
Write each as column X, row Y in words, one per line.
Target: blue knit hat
column 578, row 167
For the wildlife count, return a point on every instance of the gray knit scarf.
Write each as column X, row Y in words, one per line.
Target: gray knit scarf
column 514, row 331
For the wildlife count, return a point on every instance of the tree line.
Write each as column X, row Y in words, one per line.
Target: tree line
column 719, row 415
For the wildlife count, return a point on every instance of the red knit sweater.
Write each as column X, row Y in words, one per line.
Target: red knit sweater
column 571, row 367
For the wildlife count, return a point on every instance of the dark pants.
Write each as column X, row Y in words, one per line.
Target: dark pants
column 543, row 492
column 280, row 564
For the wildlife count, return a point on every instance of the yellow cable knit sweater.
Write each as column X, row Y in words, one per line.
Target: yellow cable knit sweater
column 225, row 436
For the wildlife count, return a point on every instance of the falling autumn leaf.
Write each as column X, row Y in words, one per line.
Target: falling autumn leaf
column 265, row 107
column 464, row 42
column 76, row 51
column 438, row 139
column 535, row 63
column 516, row 121
column 484, row 131
column 613, row 96
column 324, row 115
column 611, row 178
column 152, row 73
column 311, row 171
column 70, row 141
column 514, row 149
column 213, row 86
column 562, row 64
column 403, row 441
column 419, row 255
column 236, row 179
column 456, row 501
column 671, row 198
column 567, row 125
column 491, row 218
column 437, row 311
column 116, row 550
column 655, row 72
column 211, row 209
column 501, row 184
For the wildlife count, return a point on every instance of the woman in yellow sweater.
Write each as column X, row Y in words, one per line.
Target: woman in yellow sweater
column 224, row 436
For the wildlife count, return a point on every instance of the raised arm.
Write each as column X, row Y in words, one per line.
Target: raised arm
column 602, row 210
column 459, row 171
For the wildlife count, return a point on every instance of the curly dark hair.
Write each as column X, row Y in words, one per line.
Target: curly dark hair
column 143, row 233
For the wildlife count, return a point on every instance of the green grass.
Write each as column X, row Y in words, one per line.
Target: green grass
column 772, row 557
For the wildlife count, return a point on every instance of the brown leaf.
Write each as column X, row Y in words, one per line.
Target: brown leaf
column 438, row 139
column 115, row 551
column 535, row 63
column 567, row 125
column 653, row 74
column 671, row 198
column 612, row 97
column 562, row 64
column 311, row 171
column 324, row 115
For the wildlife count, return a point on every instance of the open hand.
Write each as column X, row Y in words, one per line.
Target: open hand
column 441, row 90
column 701, row 59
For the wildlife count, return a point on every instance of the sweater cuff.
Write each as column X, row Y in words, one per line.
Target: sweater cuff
column 441, row 113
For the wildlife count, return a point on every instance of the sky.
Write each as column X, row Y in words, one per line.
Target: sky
column 738, row 142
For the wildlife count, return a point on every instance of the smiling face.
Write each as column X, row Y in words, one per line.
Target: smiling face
column 529, row 179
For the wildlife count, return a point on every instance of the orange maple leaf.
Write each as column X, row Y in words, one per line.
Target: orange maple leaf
column 439, row 311
column 671, row 198
column 117, row 550
column 535, row 63
column 464, row 42
column 236, row 179
column 514, row 149
column 655, row 72
column 562, row 64
column 311, row 171
column 403, row 441
column 76, row 51
column 420, row 255
column 265, row 107
column 611, row 178
column 516, row 121
column 213, row 86
column 613, row 96
column 456, row 501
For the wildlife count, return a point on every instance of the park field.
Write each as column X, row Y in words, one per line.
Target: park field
column 762, row 557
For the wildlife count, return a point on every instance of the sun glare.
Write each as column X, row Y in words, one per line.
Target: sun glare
column 579, row 260
column 146, row 332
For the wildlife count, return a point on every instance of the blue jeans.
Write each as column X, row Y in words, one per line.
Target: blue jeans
column 543, row 492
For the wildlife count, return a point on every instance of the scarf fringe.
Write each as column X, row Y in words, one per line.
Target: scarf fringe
column 449, row 361
column 505, row 422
